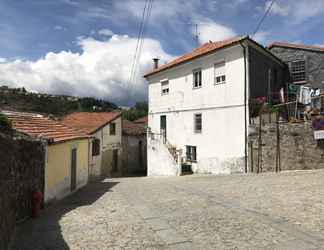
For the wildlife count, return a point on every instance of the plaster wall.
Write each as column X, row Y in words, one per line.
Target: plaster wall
column 58, row 168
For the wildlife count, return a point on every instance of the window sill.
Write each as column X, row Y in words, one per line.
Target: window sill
column 300, row 82
column 164, row 94
column 198, row 132
column 219, row 83
column 197, row 87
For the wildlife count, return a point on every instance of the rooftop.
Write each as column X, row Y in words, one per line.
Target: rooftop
column 36, row 125
column 131, row 128
column 142, row 120
column 90, row 122
column 205, row 49
column 296, row 46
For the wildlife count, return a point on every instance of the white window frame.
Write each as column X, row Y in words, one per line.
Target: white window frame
column 195, row 130
column 165, row 87
column 199, row 85
column 300, row 71
column 222, row 76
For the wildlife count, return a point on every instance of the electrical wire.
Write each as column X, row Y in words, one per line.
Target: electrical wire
column 262, row 18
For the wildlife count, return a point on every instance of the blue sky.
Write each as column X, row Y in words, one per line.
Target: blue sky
column 85, row 47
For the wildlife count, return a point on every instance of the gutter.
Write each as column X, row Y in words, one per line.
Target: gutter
column 245, row 113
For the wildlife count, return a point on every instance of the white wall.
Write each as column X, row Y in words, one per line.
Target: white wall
column 107, row 142
column 220, row 146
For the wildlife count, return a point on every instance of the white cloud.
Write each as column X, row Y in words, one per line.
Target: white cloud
column 261, row 36
column 278, row 9
column 3, row 60
column 298, row 11
column 213, row 31
column 102, row 70
column 58, row 27
column 105, row 32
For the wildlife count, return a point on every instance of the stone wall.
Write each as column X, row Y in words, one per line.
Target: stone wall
column 22, row 163
column 314, row 63
column 298, row 148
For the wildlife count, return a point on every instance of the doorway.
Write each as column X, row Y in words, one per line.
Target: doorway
column 115, row 160
column 73, row 168
column 163, row 126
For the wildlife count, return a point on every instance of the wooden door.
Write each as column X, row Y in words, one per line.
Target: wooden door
column 73, row 168
column 115, row 160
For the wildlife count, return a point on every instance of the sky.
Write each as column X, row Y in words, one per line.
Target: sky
column 86, row 47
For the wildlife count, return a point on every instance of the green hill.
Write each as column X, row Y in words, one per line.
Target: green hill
column 19, row 99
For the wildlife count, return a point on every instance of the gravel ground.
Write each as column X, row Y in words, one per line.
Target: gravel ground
column 266, row 211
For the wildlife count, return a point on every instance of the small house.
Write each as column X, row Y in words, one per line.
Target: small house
column 134, row 148
column 106, row 147
column 66, row 152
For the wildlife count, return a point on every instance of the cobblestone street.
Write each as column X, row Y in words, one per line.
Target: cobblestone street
column 267, row 211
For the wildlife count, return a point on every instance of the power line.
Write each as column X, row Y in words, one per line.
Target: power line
column 263, row 17
column 139, row 44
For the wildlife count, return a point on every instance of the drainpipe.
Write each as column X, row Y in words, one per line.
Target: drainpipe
column 245, row 113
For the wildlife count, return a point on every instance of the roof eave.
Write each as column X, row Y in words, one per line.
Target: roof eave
column 198, row 56
column 103, row 125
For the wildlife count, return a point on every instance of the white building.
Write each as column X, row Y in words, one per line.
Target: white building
column 200, row 102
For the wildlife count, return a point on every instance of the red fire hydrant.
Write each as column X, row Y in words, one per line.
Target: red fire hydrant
column 37, row 199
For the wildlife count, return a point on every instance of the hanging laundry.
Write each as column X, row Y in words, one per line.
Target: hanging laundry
column 282, row 95
column 304, row 96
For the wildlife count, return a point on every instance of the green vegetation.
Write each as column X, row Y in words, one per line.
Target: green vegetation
column 5, row 124
column 139, row 110
column 21, row 100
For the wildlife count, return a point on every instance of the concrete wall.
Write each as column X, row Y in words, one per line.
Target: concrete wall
column 102, row 163
column 131, row 154
column 314, row 63
column 159, row 160
column 299, row 149
column 21, row 172
column 220, row 146
column 58, row 168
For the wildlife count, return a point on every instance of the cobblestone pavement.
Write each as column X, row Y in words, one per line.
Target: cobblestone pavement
column 267, row 211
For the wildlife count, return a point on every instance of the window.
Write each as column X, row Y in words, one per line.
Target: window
column 191, row 153
column 112, row 128
column 96, row 147
column 298, row 71
column 219, row 73
column 165, row 87
column 197, row 123
column 197, row 78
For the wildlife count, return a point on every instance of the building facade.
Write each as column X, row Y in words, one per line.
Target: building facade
column 105, row 152
column 305, row 63
column 134, row 148
column 198, row 104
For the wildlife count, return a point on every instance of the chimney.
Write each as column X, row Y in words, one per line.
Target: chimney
column 156, row 63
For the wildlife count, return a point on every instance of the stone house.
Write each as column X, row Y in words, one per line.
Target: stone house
column 106, row 148
column 198, row 106
column 134, row 148
column 66, row 152
column 305, row 62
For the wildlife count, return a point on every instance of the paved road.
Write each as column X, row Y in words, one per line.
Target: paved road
column 268, row 211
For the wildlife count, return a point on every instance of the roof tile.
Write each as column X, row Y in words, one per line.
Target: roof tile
column 36, row 125
column 200, row 51
column 89, row 122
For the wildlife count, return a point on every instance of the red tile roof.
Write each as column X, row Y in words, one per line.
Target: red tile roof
column 142, row 120
column 131, row 128
column 205, row 49
column 296, row 46
column 90, row 122
column 39, row 126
